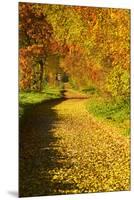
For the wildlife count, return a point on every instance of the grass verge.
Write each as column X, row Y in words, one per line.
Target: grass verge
column 117, row 113
column 27, row 99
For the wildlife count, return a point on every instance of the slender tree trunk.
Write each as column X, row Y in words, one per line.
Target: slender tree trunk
column 41, row 74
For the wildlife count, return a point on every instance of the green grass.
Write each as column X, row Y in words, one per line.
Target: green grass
column 113, row 111
column 89, row 90
column 31, row 98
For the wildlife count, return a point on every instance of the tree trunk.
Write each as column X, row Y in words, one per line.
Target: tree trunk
column 41, row 74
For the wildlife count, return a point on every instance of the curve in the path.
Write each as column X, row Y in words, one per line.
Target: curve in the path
column 63, row 150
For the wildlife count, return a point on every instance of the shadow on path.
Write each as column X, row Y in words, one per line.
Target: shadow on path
column 37, row 153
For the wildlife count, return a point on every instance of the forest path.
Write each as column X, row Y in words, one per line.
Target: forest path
column 69, row 93
column 64, row 149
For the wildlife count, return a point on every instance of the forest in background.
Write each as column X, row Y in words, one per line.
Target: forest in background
column 89, row 47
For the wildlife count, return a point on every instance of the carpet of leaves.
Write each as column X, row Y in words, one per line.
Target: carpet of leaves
column 65, row 150
column 96, row 156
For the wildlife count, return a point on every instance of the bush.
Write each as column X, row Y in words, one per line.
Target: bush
column 118, row 83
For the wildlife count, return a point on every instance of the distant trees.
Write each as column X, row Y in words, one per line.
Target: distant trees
column 92, row 46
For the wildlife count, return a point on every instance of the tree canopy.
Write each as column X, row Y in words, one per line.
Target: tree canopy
column 91, row 45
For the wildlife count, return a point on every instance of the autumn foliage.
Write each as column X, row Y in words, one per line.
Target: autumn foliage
column 92, row 46
column 74, row 100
